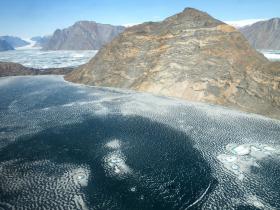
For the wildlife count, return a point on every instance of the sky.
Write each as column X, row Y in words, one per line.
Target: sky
column 28, row 18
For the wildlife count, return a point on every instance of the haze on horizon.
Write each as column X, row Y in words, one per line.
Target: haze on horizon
column 32, row 18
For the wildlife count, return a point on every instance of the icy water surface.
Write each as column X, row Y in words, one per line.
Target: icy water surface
column 65, row 146
column 37, row 58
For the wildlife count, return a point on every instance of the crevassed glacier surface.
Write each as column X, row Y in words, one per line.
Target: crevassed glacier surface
column 66, row 146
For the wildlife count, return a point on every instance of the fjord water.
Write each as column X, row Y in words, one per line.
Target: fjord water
column 78, row 147
column 36, row 58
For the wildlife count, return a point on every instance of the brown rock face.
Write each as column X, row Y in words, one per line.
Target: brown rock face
column 190, row 56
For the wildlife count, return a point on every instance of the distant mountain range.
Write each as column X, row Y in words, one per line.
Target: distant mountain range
column 190, row 56
column 14, row 41
column 263, row 34
column 89, row 35
column 83, row 35
column 5, row 46
column 41, row 41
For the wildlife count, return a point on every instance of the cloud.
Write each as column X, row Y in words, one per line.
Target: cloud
column 242, row 23
column 130, row 24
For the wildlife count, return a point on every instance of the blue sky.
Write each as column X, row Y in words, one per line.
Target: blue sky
column 26, row 18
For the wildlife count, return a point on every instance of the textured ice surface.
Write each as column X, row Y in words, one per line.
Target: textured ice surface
column 69, row 146
column 113, row 144
column 241, row 158
column 36, row 58
column 115, row 163
column 242, row 150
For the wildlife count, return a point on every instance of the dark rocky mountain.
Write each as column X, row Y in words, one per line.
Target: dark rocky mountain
column 41, row 41
column 14, row 41
column 83, row 35
column 190, row 56
column 15, row 69
column 263, row 34
column 4, row 45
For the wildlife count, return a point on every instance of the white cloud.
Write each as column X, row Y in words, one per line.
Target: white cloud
column 130, row 24
column 242, row 23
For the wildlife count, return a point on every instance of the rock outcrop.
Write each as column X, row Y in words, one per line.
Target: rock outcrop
column 264, row 34
column 15, row 69
column 190, row 56
column 5, row 46
column 83, row 35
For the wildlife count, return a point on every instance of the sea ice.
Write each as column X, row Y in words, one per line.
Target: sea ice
column 133, row 189
column 115, row 162
column 240, row 158
column 113, row 144
column 227, row 158
column 36, row 58
column 242, row 150
column 80, row 176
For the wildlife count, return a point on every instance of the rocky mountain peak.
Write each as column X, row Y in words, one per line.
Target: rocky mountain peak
column 274, row 20
column 275, row 23
column 14, row 41
column 194, row 13
column 264, row 34
column 190, row 56
column 193, row 18
column 83, row 35
column 84, row 23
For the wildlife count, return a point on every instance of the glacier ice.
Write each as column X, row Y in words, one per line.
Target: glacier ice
column 35, row 58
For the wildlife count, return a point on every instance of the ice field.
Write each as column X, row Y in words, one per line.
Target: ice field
column 37, row 58
column 68, row 146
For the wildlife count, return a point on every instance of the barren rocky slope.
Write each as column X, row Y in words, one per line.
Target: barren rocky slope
column 190, row 56
column 83, row 35
column 264, row 34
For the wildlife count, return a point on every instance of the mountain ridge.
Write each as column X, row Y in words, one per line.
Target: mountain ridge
column 263, row 35
column 83, row 35
column 191, row 56
column 40, row 41
column 14, row 41
column 5, row 46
